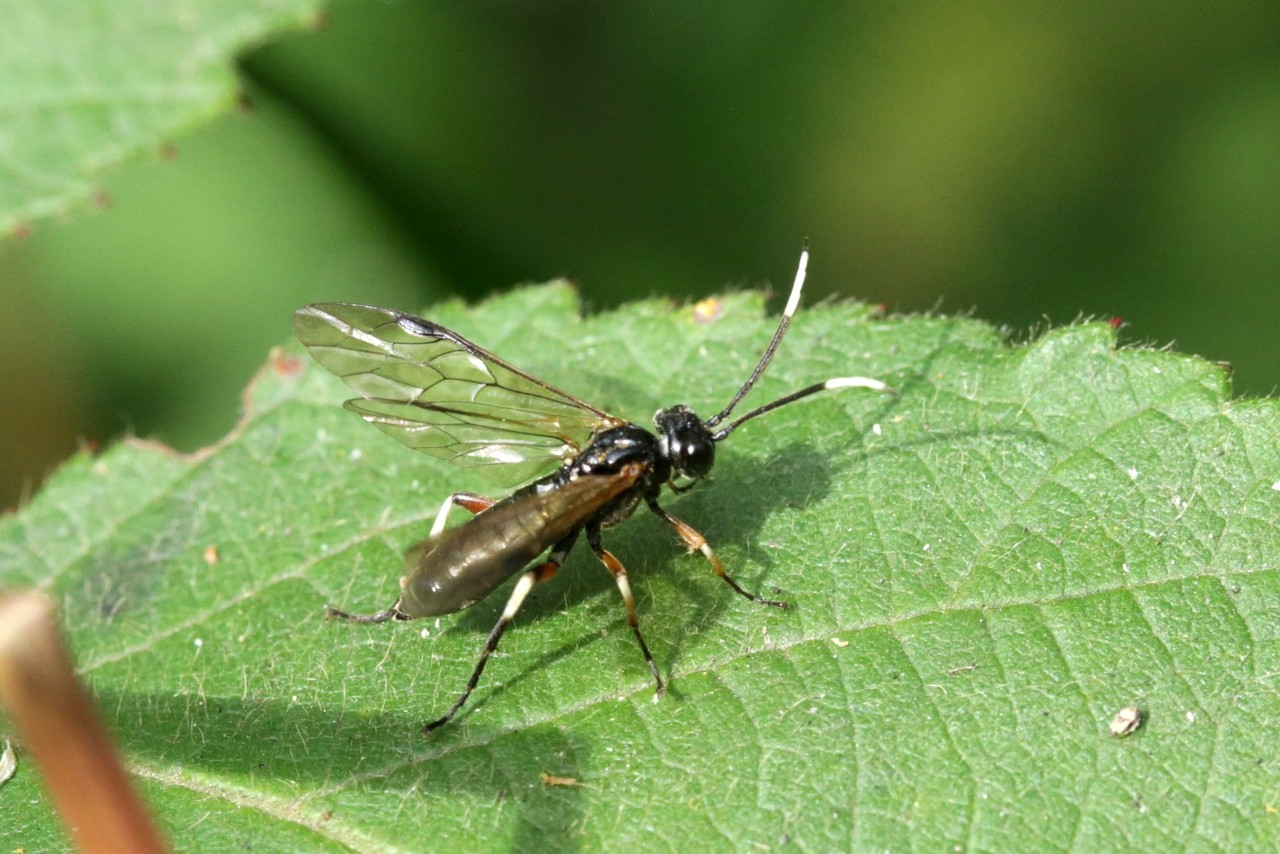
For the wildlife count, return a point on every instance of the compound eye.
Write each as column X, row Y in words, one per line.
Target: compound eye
column 697, row 455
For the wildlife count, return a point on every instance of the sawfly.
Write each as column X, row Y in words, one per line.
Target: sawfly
column 437, row 392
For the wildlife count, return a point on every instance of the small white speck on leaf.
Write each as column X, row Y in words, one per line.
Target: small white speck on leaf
column 1133, row 474
column 199, row 642
column 1191, row 717
column 1126, row 721
column 840, row 642
column 875, row 429
column 355, row 454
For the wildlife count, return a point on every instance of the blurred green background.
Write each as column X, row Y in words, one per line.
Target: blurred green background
column 1031, row 162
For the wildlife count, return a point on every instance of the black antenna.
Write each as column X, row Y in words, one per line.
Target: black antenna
column 793, row 302
column 835, row 382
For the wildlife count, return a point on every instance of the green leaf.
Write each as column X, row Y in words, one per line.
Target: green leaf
column 87, row 84
column 984, row 572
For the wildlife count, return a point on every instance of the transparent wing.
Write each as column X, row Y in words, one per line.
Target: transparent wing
column 435, row 391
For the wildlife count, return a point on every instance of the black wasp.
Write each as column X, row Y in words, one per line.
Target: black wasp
column 438, row 393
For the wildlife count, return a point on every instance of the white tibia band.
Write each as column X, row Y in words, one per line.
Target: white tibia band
column 522, row 588
column 442, row 517
column 624, row 587
column 856, row 382
column 796, row 288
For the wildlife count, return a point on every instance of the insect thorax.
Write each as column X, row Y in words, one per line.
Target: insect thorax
column 611, row 450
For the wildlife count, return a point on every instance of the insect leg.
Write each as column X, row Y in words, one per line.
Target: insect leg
column 619, row 573
column 543, row 572
column 467, row 500
column 697, row 542
column 392, row 613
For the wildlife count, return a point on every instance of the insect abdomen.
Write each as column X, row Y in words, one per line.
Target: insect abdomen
column 465, row 564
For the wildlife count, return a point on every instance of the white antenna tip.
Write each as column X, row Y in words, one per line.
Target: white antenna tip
column 857, row 382
column 794, row 301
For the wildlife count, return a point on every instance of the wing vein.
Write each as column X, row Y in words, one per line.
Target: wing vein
column 436, row 392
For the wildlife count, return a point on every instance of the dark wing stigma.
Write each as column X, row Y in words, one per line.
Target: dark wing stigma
column 435, row 391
